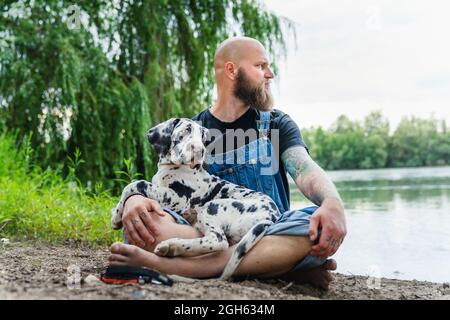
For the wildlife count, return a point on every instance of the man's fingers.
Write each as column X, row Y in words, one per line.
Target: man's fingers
column 155, row 207
column 127, row 236
column 150, row 225
column 320, row 249
column 324, row 245
column 132, row 233
column 313, row 228
column 142, row 230
column 319, row 254
column 160, row 212
column 335, row 247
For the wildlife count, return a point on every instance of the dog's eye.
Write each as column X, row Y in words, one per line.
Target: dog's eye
column 186, row 131
column 176, row 141
column 179, row 136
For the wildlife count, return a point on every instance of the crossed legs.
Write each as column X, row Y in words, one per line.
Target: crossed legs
column 272, row 256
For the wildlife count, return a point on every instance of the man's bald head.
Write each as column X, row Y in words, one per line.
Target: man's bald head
column 234, row 50
column 242, row 71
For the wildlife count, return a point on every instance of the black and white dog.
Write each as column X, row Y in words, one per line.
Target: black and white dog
column 222, row 211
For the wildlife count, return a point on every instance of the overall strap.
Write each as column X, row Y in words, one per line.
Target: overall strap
column 263, row 124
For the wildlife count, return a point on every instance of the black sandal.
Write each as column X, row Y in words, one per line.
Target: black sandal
column 126, row 274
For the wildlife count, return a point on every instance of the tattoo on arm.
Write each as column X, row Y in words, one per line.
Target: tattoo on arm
column 312, row 181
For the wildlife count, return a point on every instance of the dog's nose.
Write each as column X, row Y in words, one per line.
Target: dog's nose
column 196, row 148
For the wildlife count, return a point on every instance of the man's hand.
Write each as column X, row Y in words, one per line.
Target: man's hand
column 330, row 218
column 137, row 220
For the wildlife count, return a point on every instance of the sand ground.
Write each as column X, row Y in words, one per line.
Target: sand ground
column 39, row 270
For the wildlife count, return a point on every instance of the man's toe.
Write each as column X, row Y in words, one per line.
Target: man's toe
column 328, row 277
column 117, row 257
column 115, row 247
column 117, row 264
column 331, row 264
column 325, row 285
column 124, row 249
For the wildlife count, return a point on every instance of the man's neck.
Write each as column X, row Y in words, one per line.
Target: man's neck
column 228, row 109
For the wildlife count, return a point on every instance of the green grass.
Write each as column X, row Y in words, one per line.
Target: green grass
column 41, row 204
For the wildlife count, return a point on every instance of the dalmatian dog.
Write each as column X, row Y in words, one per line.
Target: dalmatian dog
column 223, row 212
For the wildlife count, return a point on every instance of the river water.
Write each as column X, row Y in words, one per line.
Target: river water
column 398, row 222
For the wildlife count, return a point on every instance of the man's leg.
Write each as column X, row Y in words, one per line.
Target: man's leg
column 169, row 228
column 262, row 261
column 272, row 256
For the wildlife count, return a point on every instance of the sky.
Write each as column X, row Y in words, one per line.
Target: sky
column 352, row 57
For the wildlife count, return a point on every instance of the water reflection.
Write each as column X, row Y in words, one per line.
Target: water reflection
column 398, row 219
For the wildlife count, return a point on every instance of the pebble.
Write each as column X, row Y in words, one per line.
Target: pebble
column 4, row 240
column 138, row 294
column 91, row 280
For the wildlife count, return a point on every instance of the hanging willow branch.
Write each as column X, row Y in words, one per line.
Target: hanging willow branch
column 130, row 65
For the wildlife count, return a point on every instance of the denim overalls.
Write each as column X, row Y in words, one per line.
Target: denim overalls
column 253, row 166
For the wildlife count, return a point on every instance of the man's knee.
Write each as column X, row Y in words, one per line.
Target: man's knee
column 288, row 249
column 274, row 254
column 286, row 243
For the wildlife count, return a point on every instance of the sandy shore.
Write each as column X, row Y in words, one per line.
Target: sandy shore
column 37, row 270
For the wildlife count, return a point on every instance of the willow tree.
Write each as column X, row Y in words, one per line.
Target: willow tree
column 96, row 75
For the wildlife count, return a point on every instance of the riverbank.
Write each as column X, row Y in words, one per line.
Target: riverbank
column 39, row 270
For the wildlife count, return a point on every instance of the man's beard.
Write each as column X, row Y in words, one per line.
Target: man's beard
column 257, row 97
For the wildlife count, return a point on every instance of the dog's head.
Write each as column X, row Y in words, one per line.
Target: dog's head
column 179, row 141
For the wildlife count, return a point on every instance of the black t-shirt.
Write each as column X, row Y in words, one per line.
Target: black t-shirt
column 289, row 132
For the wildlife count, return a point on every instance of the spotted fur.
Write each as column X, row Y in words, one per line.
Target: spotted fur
column 223, row 212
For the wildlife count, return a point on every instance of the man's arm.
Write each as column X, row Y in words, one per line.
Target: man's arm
column 314, row 183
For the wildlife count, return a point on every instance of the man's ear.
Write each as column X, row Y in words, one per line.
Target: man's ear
column 231, row 70
column 160, row 136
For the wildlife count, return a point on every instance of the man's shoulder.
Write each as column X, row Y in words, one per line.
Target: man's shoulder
column 289, row 130
column 200, row 116
column 280, row 118
column 276, row 113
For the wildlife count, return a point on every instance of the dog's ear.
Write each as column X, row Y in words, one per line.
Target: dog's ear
column 205, row 134
column 160, row 136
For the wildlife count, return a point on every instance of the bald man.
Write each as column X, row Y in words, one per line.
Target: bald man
column 297, row 246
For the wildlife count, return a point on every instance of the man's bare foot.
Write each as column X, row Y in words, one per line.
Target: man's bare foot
column 319, row 277
column 129, row 255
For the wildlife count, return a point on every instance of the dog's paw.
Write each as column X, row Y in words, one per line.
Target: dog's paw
column 162, row 249
column 167, row 249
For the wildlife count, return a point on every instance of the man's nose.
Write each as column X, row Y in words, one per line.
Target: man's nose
column 269, row 73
